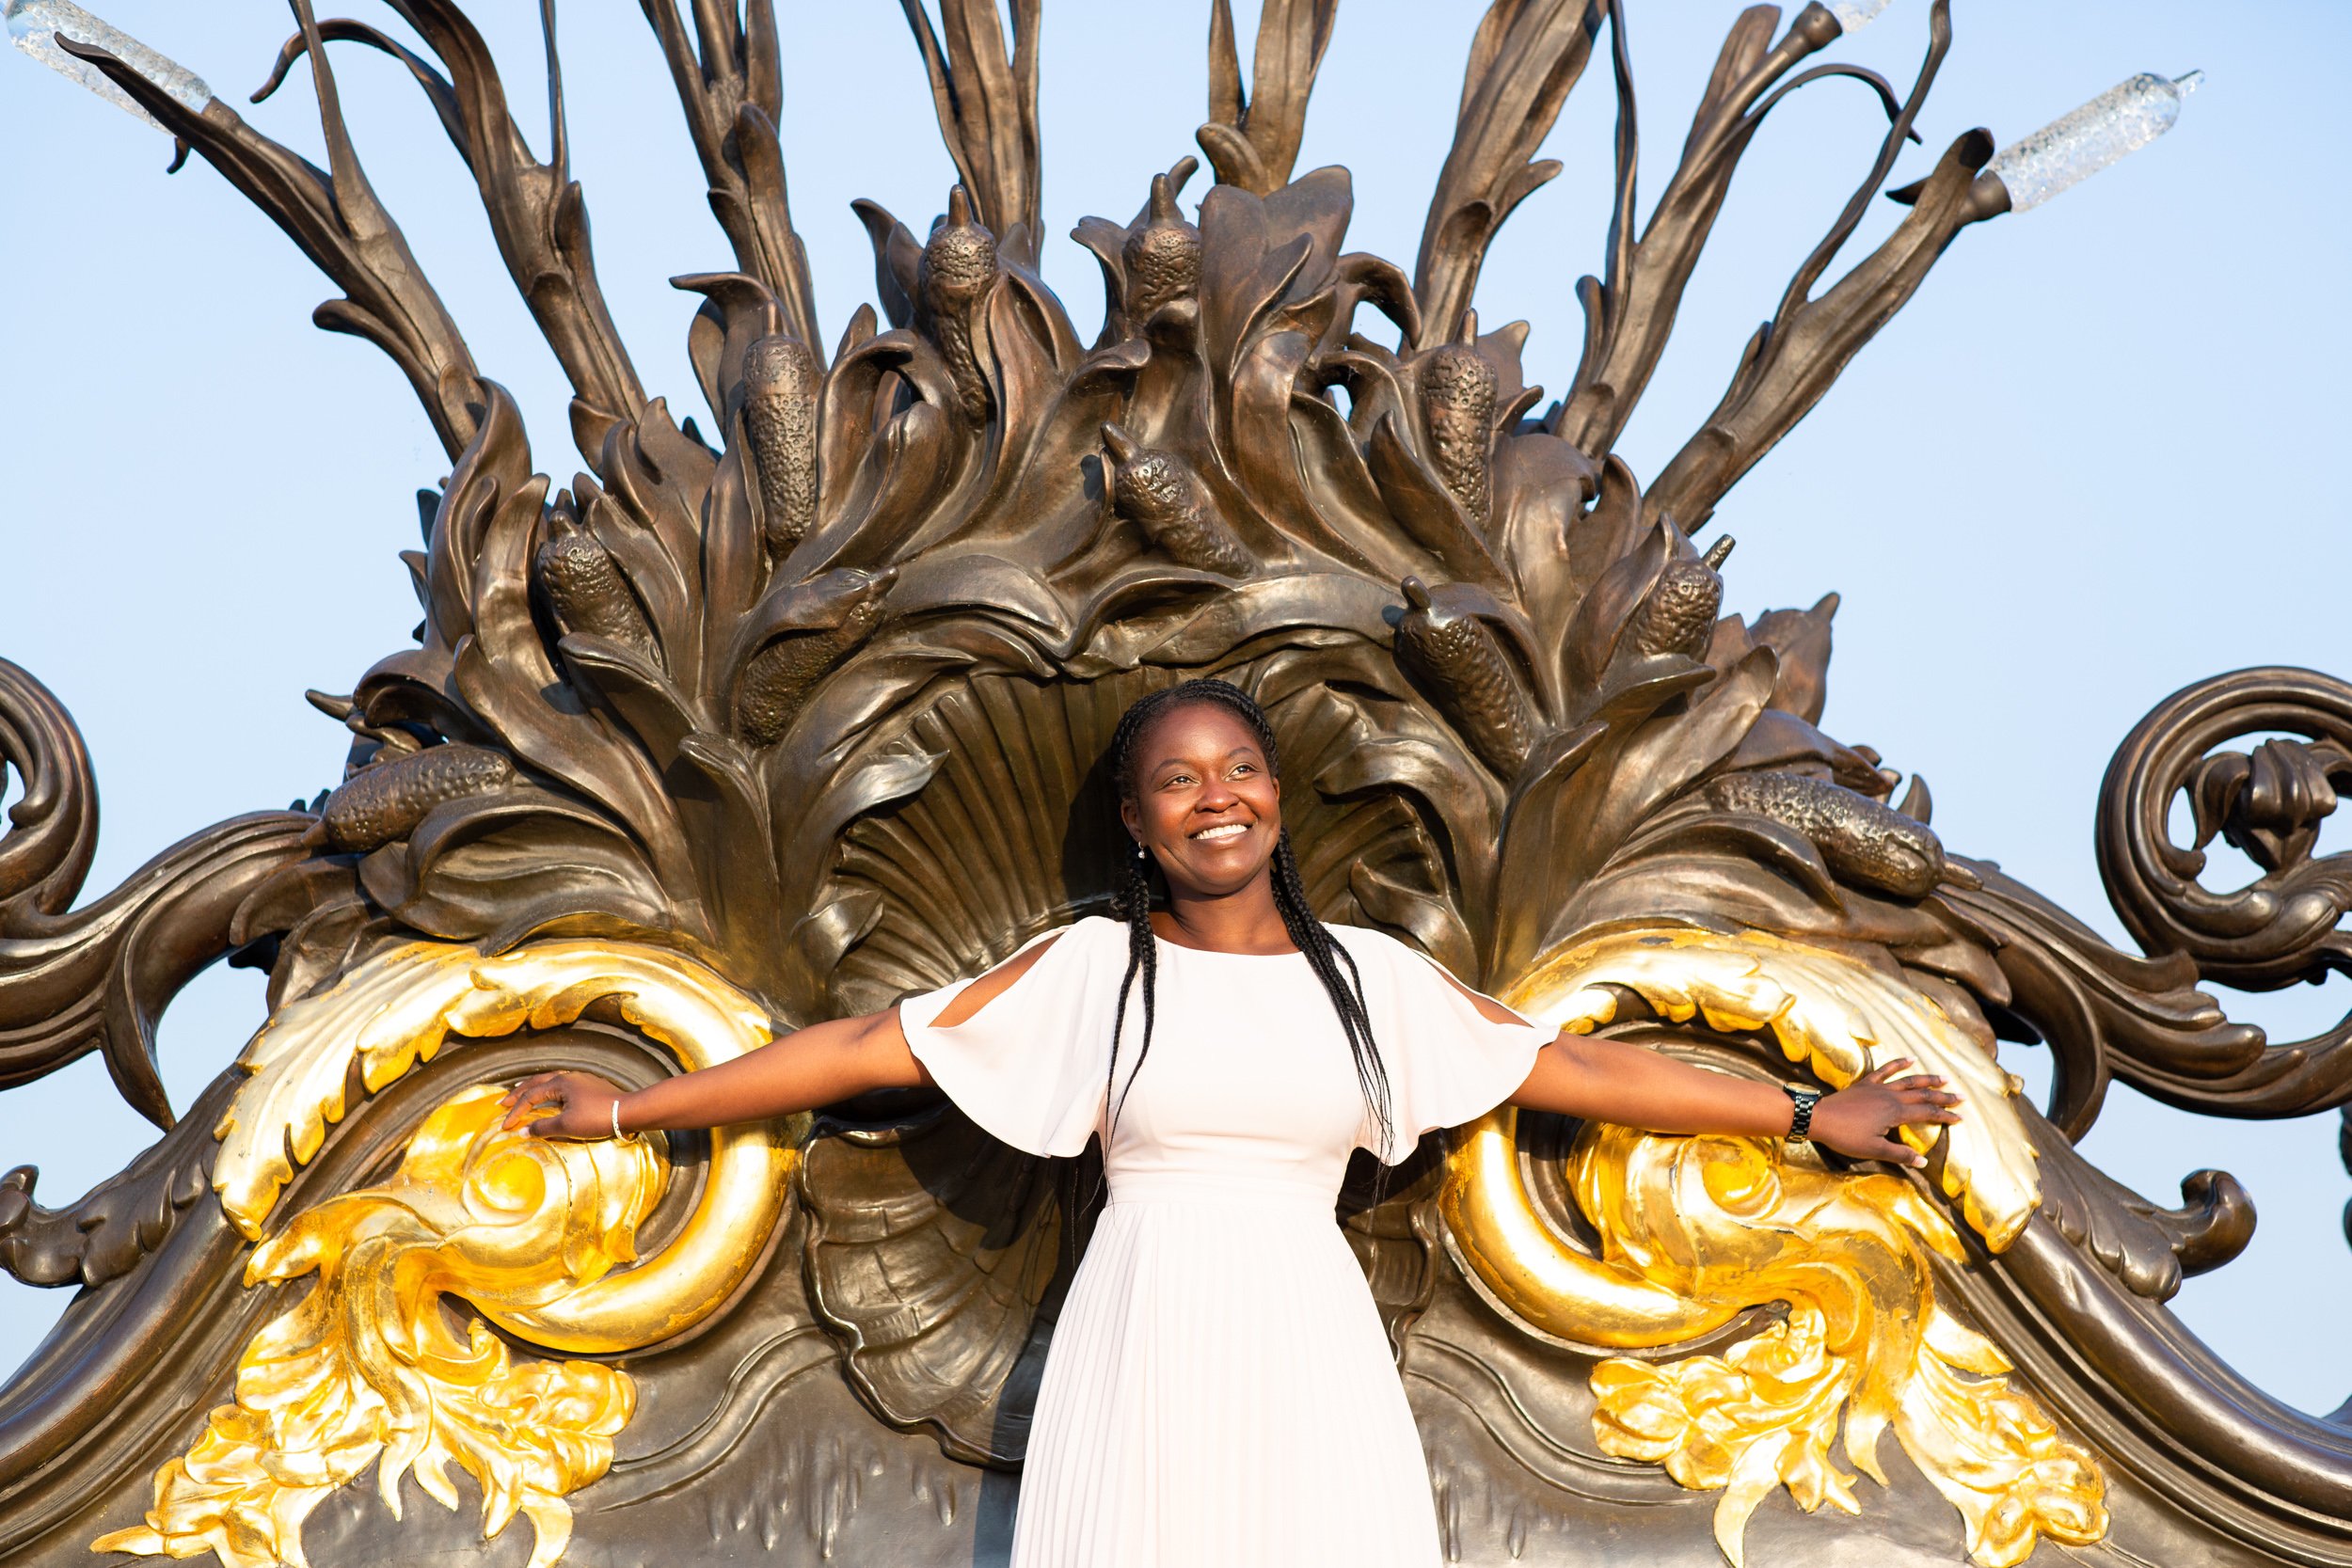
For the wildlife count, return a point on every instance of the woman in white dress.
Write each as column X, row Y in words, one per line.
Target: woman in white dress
column 1218, row 1391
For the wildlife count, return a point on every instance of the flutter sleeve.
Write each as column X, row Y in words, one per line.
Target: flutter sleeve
column 1029, row 1067
column 1448, row 1062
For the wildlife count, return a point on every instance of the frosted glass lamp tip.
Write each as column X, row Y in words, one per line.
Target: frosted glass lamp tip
column 2072, row 148
column 35, row 26
column 1854, row 15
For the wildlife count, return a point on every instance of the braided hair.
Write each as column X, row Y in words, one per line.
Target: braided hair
column 1132, row 900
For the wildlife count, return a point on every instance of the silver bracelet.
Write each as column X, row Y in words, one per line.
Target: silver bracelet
column 616, row 1117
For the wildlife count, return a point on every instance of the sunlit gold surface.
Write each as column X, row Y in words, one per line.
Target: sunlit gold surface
column 1829, row 1013
column 1694, row 1231
column 401, row 1007
column 1517, row 1256
column 1728, row 1223
column 533, row 1233
column 367, row 1369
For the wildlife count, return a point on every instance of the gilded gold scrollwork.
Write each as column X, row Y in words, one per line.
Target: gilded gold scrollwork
column 534, row 1234
column 400, row 1008
column 1696, row 1230
column 367, row 1369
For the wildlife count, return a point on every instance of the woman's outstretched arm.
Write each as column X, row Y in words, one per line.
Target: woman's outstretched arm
column 1611, row 1081
column 816, row 1065
column 1602, row 1080
column 821, row 1065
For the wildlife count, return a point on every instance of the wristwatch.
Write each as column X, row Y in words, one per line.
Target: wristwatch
column 1801, row 1122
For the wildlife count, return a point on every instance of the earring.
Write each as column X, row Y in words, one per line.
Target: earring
column 1141, row 853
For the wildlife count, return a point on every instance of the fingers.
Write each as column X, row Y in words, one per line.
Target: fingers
column 1930, row 1087
column 525, row 1100
column 1892, row 1074
column 1925, row 1105
column 514, row 1095
column 544, row 1119
column 1896, row 1154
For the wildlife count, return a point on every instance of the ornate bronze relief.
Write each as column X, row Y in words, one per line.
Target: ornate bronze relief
column 796, row 714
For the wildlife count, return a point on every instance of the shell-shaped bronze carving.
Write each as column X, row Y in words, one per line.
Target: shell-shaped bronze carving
column 936, row 1252
column 1008, row 836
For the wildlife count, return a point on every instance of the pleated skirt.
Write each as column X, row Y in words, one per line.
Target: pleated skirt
column 1220, row 1394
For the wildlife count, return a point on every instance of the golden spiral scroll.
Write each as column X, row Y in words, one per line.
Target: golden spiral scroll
column 1696, row 1230
column 535, row 1234
column 398, row 1009
column 368, row 1369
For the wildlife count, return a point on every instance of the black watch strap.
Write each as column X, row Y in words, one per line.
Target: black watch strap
column 1801, row 1122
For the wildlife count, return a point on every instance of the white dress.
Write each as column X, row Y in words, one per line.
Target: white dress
column 1219, row 1393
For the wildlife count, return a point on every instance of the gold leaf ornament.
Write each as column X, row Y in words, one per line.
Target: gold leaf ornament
column 1694, row 1231
column 1734, row 1222
column 368, row 1368
column 534, row 1234
column 1830, row 1014
column 401, row 1007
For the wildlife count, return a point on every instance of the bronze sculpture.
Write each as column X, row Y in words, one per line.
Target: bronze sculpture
column 720, row 715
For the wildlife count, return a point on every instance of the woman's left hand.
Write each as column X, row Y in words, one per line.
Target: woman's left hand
column 1860, row 1120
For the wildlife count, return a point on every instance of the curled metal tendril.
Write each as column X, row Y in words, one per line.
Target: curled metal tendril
column 2269, row 802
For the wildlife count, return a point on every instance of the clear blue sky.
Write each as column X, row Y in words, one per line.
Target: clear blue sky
column 2086, row 466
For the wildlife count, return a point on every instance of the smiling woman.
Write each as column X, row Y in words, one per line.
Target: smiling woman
column 1219, row 1324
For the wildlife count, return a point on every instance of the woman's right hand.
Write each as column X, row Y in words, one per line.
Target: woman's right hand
column 582, row 1101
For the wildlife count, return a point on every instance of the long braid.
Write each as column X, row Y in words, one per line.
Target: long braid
column 1325, row 956
column 1134, row 901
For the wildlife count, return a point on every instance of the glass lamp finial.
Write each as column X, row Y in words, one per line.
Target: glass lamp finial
column 34, row 26
column 1854, row 15
column 2072, row 148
